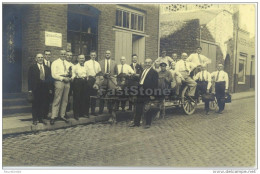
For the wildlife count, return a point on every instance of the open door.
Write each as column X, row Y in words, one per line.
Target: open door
column 139, row 47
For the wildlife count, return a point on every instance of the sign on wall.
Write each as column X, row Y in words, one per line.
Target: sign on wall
column 53, row 39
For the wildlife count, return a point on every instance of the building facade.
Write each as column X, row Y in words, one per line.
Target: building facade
column 33, row 28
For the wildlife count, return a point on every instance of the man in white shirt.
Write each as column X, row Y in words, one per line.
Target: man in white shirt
column 220, row 78
column 174, row 57
column 60, row 73
column 185, row 68
column 203, row 79
column 198, row 60
column 166, row 59
column 79, row 76
column 93, row 68
column 121, row 70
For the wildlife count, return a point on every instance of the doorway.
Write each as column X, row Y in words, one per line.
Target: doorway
column 12, row 48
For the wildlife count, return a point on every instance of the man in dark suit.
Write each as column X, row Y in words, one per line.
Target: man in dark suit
column 148, row 82
column 108, row 69
column 47, row 62
column 138, row 71
column 39, row 78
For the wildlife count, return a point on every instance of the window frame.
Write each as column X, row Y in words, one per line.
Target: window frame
column 130, row 12
column 243, row 57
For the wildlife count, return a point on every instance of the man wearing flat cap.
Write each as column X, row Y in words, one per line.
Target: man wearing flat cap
column 164, row 82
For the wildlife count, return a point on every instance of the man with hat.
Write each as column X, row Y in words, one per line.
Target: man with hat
column 220, row 78
column 166, row 59
column 164, row 81
column 203, row 79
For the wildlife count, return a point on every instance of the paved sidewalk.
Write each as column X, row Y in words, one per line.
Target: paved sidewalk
column 23, row 123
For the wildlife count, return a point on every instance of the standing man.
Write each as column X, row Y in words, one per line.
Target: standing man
column 165, row 59
column 203, row 79
column 79, row 76
column 185, row 69
column 125, row 69
column 138, row 71
column 148, row 81
column 92, row 68
column 39, row 78
column 60, row 73
column 108, row 69
column 221, row 86
column 47, row 58
column 198, row 60
column 69, row 60
column 47, row 62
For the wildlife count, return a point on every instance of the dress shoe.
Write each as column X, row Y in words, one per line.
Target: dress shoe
column 100, row 112
column 133, row 125
column 147, row 126
column 123, row 110
column 207, row 112
column 64, row 119
column 52, row 121
column 66, row 116
column 220, row 112
column 76, row 118
column 35, row 122
column 43, row 122
column 129, row 109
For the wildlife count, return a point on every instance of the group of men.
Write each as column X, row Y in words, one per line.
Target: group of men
column 55, row 82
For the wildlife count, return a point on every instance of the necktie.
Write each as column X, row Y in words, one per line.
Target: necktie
column 122, row 68
column 217, row 76
column 202, row 76
column 42, row 76
column 108, row 66
column 143, row 75
column 94, row 68
column 185, row 66
column 64, row 66
column 199, row 58
column 134, row 67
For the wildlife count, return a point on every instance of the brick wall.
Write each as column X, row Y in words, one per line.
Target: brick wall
column 37, row 19
column 183, row 40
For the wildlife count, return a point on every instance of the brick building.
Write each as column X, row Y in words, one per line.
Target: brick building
column 33, row 28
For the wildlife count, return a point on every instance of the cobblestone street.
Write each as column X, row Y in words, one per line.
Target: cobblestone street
column 199, row 140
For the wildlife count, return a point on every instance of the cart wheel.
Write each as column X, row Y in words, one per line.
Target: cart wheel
column 213, row 105
column 188, row 105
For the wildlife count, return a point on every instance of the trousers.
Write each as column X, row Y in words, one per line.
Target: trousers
column 202, row 89
column 79, row 99
column 60, row 100
column 189, row 82
column 220, row 94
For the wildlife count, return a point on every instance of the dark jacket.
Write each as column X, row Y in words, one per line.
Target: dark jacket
column 34, row 77
column 138, row 68
column 151, row 80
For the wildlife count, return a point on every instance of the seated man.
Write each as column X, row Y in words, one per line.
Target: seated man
column 185, row 68
column 176, row 79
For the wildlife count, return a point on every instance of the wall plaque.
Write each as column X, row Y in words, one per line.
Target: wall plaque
column 53, row 39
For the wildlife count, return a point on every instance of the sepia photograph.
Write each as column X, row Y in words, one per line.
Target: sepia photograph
column 129, row 86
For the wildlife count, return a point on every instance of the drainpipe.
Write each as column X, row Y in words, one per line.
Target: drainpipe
column 235, row 77
column 158, row 52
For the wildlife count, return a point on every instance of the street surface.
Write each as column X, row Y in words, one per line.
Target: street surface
column 198, row 140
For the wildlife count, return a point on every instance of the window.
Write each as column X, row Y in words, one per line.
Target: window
column 242, row 69
column 129, row 20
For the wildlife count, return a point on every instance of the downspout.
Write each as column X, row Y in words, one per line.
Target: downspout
column 158, row 49
column 235, row 77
